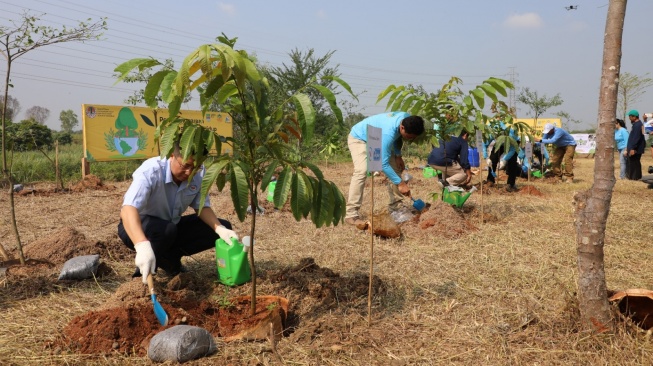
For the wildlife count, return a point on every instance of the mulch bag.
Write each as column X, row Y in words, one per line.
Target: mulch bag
column 80, row 268
column 181, row 343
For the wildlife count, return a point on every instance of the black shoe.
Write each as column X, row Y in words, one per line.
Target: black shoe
column 176, row 271
column 650, row 169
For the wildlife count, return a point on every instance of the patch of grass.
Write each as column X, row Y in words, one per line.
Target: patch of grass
column 503, row 294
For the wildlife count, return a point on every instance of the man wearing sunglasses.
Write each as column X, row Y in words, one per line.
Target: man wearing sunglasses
column 151, row 221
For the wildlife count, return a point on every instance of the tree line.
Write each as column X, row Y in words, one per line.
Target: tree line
column 31, row 133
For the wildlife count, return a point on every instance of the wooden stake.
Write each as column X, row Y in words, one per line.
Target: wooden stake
column 369, row 290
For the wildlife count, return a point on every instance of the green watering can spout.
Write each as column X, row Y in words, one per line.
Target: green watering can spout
column 456, row 198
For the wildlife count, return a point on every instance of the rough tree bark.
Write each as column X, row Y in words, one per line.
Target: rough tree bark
column 593, row 206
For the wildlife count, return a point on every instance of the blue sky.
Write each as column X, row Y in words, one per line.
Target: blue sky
column 539, row 43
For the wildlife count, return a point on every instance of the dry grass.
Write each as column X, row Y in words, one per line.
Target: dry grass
column 501, row 295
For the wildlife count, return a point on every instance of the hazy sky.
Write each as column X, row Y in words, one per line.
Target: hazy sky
column 536, row 43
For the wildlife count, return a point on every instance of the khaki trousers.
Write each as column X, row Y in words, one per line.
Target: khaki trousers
column 566, row 154
column 358, row 150
column 455, row 174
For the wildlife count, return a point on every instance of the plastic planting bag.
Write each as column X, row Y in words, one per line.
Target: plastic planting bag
column 80, row 268
column 181, row 343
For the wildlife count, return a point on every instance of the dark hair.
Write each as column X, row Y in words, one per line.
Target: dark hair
column 621, row 123
column 177, row 151
column 413, row 125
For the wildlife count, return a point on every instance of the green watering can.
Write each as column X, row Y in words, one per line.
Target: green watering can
column 456, row 198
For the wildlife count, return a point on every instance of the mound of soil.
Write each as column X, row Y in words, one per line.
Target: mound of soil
column 91, row 182
column 311, row 288
column 129, row 329
column 530, row 191
column 67, row 243
column 126, row 323
column 443, row 220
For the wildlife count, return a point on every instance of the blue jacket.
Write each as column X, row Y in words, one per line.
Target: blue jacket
column 390, row 138
column 527, row 164
column 511, row 150
column 454, row 149
column 559, row 138
column 621, row 138
column 636, row 139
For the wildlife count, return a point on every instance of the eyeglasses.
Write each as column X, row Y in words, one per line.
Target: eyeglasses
column 186, row 167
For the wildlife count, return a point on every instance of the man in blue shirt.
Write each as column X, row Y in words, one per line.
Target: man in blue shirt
column 151, row 220
column 394, row 126
column 451, row 159
column 565, row 148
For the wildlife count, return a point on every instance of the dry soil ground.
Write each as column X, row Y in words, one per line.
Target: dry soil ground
column 492, row 283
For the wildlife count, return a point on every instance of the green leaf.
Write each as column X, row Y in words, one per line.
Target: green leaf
column 253, row 76
column 497, row 86
column 479, row 97
column 468, row 101
column 387, row 90
column 208, row 140
column 489, row 90
column 221, row 181
column 326, row 206
column 399, row 101
column 225, row 92
column 299, row 196
column 152, row 88
column 210, row 176
column 282, row 188
column 305, row 115
column 213, row 86
column 405, row 106
column 187, row 138
column 316, row 171
column 394, row 95
column 306, row 209
column 269, row 172
column 239, row 191
column 166, row 86
column 342, row 83
column 331, row 98
column 500, row 141
column 339, row 205
column 168, row 140
column 124, row 68
column 175, row 106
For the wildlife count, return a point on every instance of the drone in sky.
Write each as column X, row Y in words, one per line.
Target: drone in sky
column 571, row 7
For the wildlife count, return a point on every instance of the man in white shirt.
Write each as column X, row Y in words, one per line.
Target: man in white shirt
column 151, row 220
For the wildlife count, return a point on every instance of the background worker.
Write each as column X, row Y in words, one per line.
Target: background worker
column 635, row 146
column 451, row 159
column 496, row 160
column 565, row 148
column 539, row 152
column 395, row 127
column 621, row 139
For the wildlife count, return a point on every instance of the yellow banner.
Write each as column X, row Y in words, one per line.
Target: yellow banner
column 540, row 123
column 113, row 133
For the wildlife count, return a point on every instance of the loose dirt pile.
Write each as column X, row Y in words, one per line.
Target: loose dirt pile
column 67, row 243
column 126, row 323
column 91, row 182
column 443, row 220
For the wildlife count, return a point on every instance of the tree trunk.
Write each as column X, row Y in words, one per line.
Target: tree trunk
column 5, row 169
column 252, row 265
column 593, row 206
